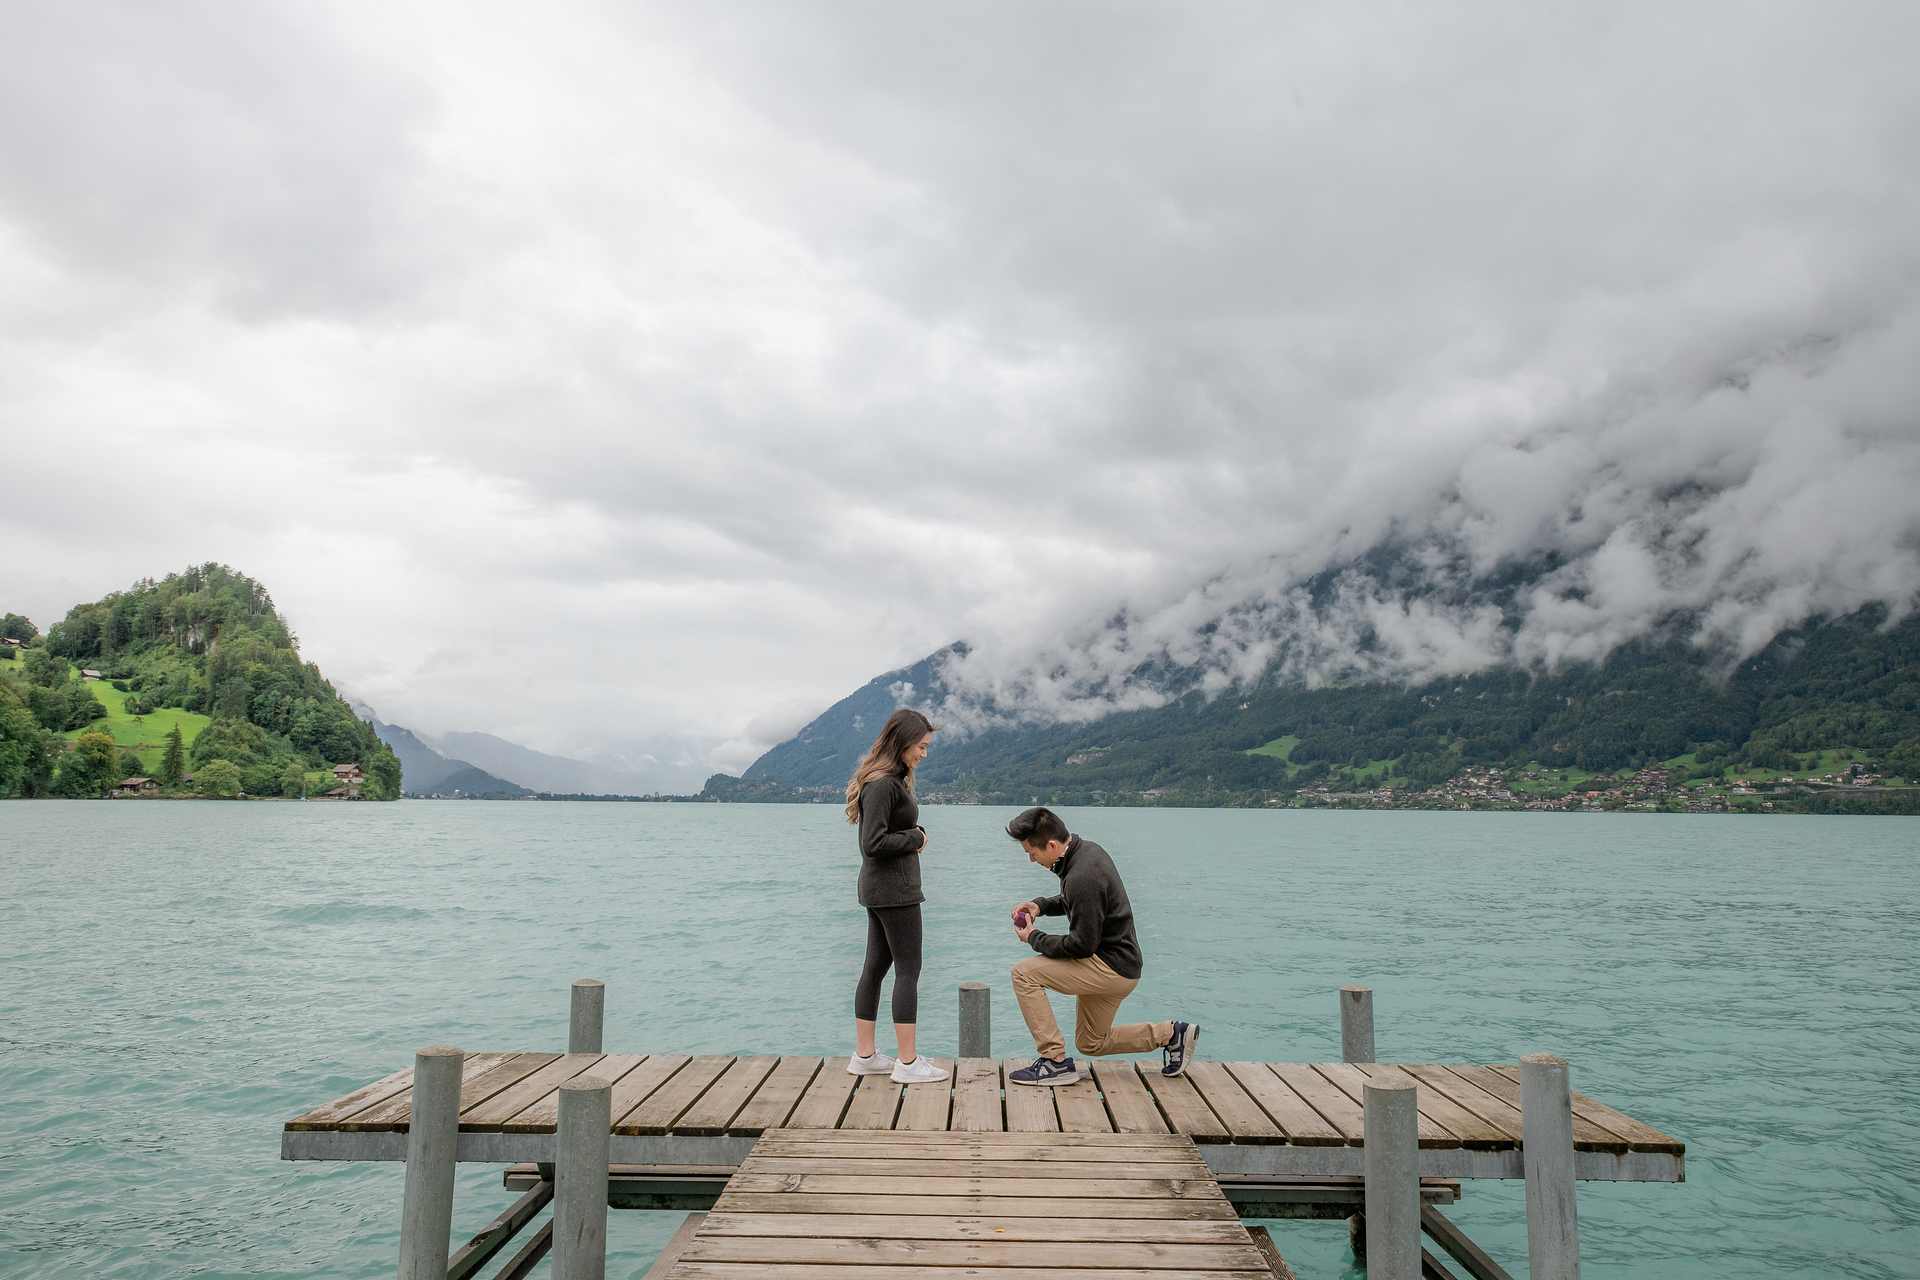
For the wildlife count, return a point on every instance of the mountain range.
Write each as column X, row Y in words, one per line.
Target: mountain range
column 1825, row 695
column 482, row 765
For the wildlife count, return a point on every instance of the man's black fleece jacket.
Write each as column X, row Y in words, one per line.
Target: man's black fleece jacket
column 1099, row 917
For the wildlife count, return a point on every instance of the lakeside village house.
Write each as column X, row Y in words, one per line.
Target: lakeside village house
column 349, row 777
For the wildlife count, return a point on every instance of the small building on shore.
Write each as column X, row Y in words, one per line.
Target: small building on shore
column 348, row 773
column 136, row 787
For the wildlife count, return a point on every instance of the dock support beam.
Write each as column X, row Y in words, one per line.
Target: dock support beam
column 1356, row 1024
column 580, row 1189
column 1546, row 1122
column 976, row 1020
column 587, row 1024
column 426, row 1213
column 1356, row 1045
column 1392, row 1161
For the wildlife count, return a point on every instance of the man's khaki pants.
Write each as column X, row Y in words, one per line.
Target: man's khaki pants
column 1097, row 992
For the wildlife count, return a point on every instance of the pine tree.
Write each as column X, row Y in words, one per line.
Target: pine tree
column 175, row 762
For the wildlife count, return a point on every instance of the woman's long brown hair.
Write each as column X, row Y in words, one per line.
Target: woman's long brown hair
column 887, row 755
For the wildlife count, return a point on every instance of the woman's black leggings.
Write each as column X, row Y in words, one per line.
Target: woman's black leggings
column 893, row 942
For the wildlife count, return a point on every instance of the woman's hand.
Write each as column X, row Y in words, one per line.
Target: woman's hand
column 923, row 839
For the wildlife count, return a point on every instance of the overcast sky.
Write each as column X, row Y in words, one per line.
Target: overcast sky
column 607, row 377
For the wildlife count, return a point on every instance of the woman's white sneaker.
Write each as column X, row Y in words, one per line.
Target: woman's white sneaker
column 878, row 1064
column 919, row 1071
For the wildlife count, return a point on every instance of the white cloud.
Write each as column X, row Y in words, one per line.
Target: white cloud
column 703, row 361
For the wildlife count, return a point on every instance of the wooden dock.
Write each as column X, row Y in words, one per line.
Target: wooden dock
column 1278, row 1119
column 813, row 1204
column 799, row 1171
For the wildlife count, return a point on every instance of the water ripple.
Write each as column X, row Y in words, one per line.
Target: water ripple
column 205, row 971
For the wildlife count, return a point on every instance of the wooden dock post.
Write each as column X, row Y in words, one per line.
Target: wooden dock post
column 1356, row 1045
column 433, row 1130
column 1356, row 1024
column 1546, row 1118
column 588, row 1022
column 976, row 1020
column 1391, row 1124
column 580, row 1191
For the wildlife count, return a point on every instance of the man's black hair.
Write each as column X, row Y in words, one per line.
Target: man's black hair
column 1037, row 826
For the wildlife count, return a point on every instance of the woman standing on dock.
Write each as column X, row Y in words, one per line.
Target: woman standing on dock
column 880, row 802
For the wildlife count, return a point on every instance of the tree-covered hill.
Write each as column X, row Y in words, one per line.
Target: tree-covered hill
column 1821, row 697
column 198, row 675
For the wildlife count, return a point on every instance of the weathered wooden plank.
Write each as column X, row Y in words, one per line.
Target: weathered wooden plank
column 1030, row 1110
column 671, row 1100
column 1504, row 1118
column 825, row 1100
column 1469, row 1128
column 1128, row 1101
column 775, row 1099
column 1455, row 1242
column 1332, row 1105
column 1230, row 1101
column 910, row 1147
column 544, row 1116
column 876, row 1100
column 1049, row 1207
column 514, row 1068
column 641, row 1083
column 963, row 1185
column 881, row 1226
column 393, row 1114
column 997, row 1254
column 514, row 1099
column 1186, row 1111
column 1639, row 1136
column 957, row 1138
column 829, row 1271
column 1296, row 1118
column 521, row 1265
column 715, row 1110
column 330, row 1114
column 677, row 1247
column 1012, row 1166
column 1587, row 1136
column 1082, row 1109
column 1348, row 1078
column 496, row 1235
column 925, row 1107
column 1277, row 1267
column 976, row 1096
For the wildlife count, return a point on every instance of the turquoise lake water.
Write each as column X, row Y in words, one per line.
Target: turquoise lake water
column 182, row 977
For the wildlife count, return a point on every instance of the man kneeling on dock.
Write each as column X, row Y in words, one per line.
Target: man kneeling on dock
column 1097, row 961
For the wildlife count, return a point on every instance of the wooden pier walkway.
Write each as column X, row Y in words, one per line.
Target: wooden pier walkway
column 800, row 1171
column 817, row 1204
column 1277, row 1119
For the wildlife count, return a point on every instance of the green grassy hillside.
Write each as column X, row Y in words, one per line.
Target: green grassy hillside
column 144, row 734
column 203, row 651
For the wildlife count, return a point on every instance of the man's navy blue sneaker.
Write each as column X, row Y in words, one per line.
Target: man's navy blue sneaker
column 1180, row 1048
column 1046, row 1071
